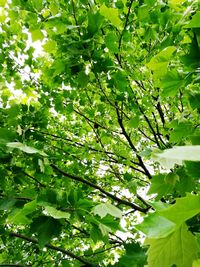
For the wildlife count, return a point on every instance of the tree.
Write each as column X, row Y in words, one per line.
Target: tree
column 100, row 137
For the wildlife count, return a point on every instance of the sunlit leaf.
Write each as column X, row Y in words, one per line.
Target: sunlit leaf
column 111, row 14
column 56, row 214
column 177, row 155
column 184, row 209
column 106, row 208
column 195, row 21
column 25, row 148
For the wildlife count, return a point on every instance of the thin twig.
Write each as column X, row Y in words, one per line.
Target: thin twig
column 125, row 25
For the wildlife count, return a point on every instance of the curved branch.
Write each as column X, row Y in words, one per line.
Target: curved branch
column 65, row 252
column 82, row 180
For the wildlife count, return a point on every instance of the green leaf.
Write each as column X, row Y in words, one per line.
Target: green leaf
column 134, row 256
column 65, row 263
column 120, row 81
column 177, row 155
column 134, row 122
column 37, row 35
column 111, row 14
column 56, row 214
column 171, row 178
column 3, row 2
column 194, row 100
column 180, row 249
column 46, row 197
column 6, row 136
column 113, row 224
column 111, row 42
column 25, row 148
column 50, row 46
column 176, row 2
column 19, row 216
column 7, row 203
column 46, row 228
column 180, row 131
column 95, row 234
column 159, row 186
column 159, row 62
column 143, row 13
column 158, row 205
column 186, row 185
column 104, row 229
column 94, row 22
column 184, row 209
column 37, row 4
column 195, row 21
column 82, row 79
column 196, row 263
column 54, row 8
column 171, row 82
column 106, row 208
column 98, row 86
column 193, row 169
column 155, row 226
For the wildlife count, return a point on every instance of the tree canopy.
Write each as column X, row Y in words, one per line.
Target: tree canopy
column 100, row 133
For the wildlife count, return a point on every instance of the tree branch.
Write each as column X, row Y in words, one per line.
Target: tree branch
column 34, row 179
column 74, row 15
column 82, row 180
column 158, row 131
column 77, row 144
column 131, row 144
column 160, row 111
column 65, row 252
column 97, row 124
column 149, row 123
column 149, row 138
column 104, row 250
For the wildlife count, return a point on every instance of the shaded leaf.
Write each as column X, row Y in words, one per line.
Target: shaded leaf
column 94, row 22
column 159, row 186
column 6, row 135
column 135, row 255
column 19, row 216
column 46, row 228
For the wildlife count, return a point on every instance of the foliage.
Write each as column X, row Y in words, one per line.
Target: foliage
column 100, row 133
